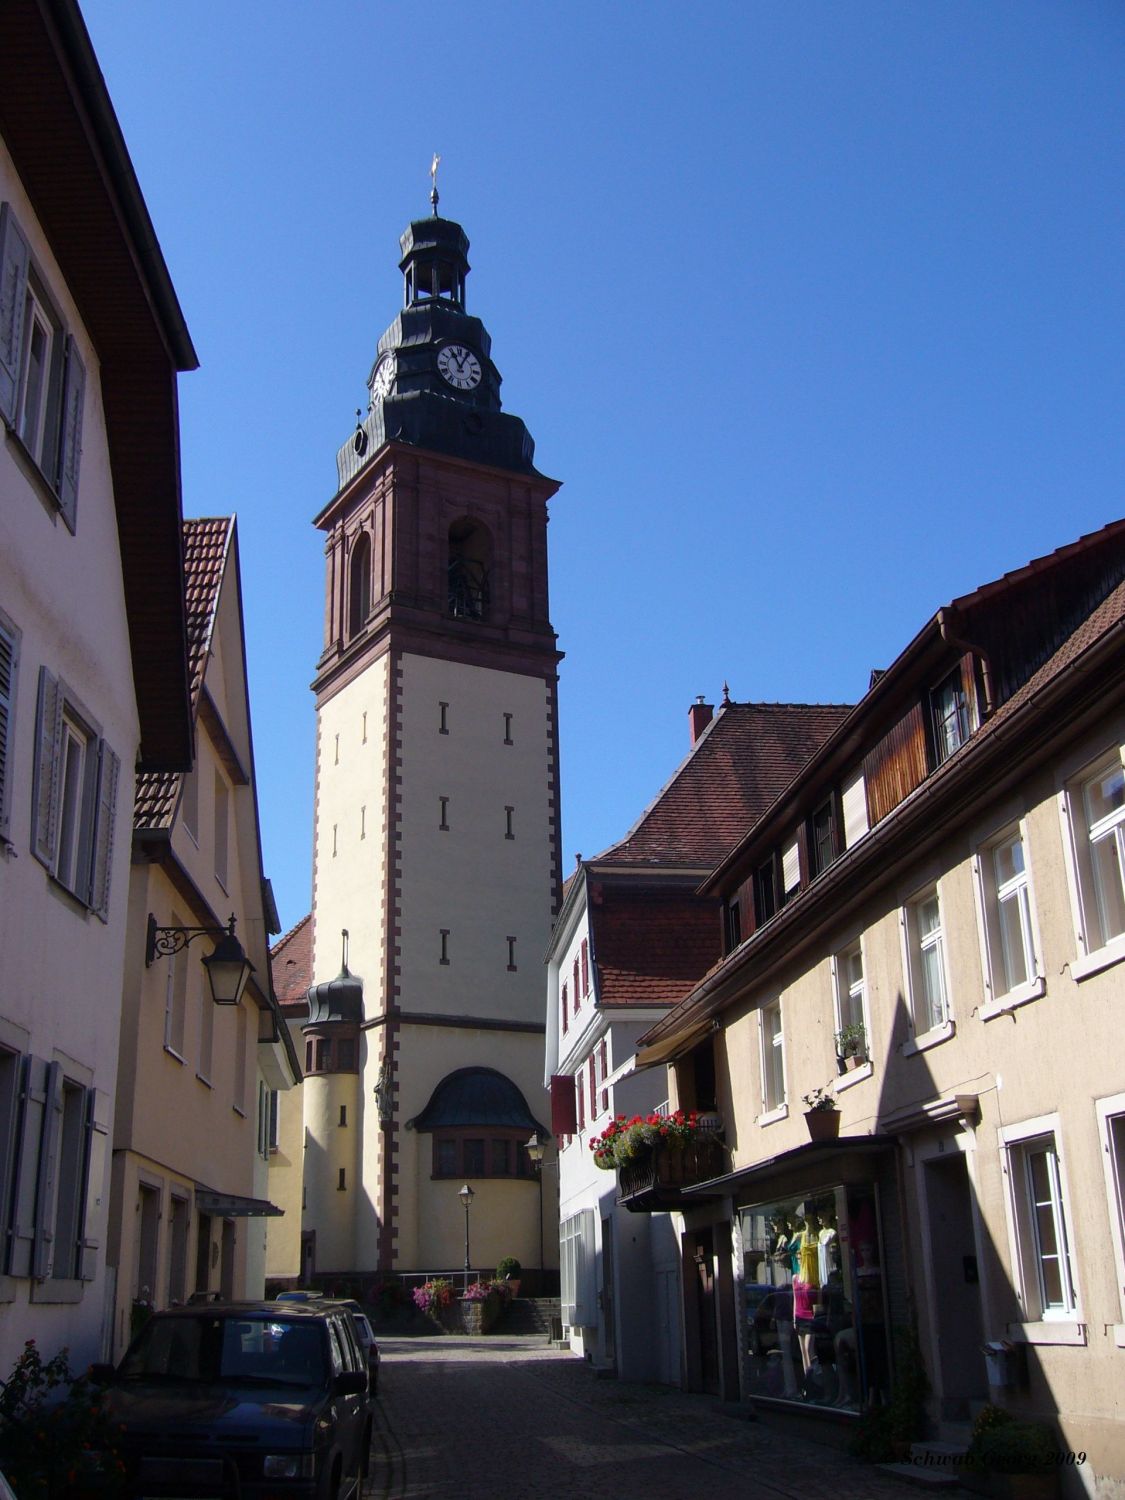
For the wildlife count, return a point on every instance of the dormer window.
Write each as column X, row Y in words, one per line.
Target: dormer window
column 823, row 830
column 949, row 716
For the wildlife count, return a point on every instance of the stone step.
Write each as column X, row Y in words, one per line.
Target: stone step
column 920, row 1477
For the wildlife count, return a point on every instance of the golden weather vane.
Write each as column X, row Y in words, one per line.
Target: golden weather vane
column 433, row 174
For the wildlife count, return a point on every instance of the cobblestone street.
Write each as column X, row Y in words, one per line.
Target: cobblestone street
column 503, row 1418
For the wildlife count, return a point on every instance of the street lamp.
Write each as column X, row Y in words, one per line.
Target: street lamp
column 466, row 1196
column 535, row 1149
column 228, row 968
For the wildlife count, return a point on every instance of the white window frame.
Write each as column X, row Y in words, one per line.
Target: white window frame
column 991, row 894
column 577, row 1261
column 33, row 424
column 775, row 1042
column 942, row 750
column 914, row 945
column 1095, row 952
column 841, row 983
column 1042, row 1324
column 1109, row 1111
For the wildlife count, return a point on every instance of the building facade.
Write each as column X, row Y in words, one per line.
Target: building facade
column 197, row 1082
column 631, row 940
column 945, row 962
column 93, row 679
column 436, row 841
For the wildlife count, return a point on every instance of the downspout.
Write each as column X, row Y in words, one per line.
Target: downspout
column 947, row 619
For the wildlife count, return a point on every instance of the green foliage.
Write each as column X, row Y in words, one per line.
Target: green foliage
column 508, row 1266
column 1016, row 1447
column 885, row 1430
column 55, row 1444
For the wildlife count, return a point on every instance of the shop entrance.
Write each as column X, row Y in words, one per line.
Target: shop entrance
column 955, row 1310
column 609, row 1274
column 705, row 1294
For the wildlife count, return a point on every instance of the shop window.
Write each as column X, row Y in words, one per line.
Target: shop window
column 1012, row 970
column 814, row 1309
column 1043, row 1238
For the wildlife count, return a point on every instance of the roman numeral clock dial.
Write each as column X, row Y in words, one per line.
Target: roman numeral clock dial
column 459, row 366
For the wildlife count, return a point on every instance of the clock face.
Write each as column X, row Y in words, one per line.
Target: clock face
column 459, row 366
column 384, row 377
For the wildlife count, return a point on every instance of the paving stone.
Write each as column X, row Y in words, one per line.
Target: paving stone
column 506, row 1418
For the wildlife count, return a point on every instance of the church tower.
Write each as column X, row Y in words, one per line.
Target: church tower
column 437, row 833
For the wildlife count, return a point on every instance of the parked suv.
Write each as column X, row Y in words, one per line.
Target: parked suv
column 253, row 1400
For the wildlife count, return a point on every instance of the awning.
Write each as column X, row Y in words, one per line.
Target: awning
column 812, row 1154
column 232, row 1206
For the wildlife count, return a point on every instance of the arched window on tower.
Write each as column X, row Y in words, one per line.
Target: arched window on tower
column 470, row 558
column 359, row 584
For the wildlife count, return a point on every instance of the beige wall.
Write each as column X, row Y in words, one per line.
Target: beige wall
column 62, row 966
column 1052, row 1056
column 286, row 1179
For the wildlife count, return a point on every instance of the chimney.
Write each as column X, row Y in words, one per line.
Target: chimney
column 699, row 716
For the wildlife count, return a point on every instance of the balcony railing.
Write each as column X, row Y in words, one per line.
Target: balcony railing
column 652, row 1182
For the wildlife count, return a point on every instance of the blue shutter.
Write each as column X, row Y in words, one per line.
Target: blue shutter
column 9, row 652
column 48, row 758
column 94, row 1185
column 43, row 1253
column 21, row 1236
column 15, row 257
column 70, row 437
column 109, row 766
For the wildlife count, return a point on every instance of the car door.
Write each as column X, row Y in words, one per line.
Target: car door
column 351, row 1410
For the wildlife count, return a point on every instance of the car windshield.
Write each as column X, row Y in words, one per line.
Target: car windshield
column 207, row 1348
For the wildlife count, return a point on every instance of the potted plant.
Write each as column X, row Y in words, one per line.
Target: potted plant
column 851, row 1046
column 1019, row 1458
column 822, row 1116
column 508, row 1270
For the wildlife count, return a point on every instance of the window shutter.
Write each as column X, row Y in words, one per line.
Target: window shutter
column 15, row 257
column 592, row 1071
column 33, row 1095
column 585, row 968
column 43, row 1253
column 790, row 868
column 48, row 755
column 855, row 810
column 565, row 1016
column 585, row 1306
column 70, row 443
column 109, row 768
column 564, row 1105
column 8, row 654
column 580, row 1099
column 93, row 1181
column 603, row 1069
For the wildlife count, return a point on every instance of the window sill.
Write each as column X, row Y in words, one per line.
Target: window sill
column 1049, row 1331
column 206, row 1082
column 58, row 1289
column 857, row 1075
column 1015, row 998
column 171, row 1052
column 239, row 1111
column 1119, row 1334
column 928, row 1039
column 1101, row 958
column 773, row 1115
column 35, row 476
column 8, row 1285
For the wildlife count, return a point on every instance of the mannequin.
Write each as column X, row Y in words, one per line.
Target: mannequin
column 806, row 1283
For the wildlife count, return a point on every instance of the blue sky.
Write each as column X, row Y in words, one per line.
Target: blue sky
column 816, row 309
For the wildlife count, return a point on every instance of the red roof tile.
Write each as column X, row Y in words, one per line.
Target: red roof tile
column 744, row 759
column 206, row 543
column 650, row 948
column 291, row 963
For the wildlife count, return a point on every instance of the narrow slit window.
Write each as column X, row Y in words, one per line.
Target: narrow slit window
column 444, row 935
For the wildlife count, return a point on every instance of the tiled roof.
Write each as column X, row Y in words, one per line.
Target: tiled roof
column 651, row 950
column 291, row 963
column 205, row 551
column 745, row 758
